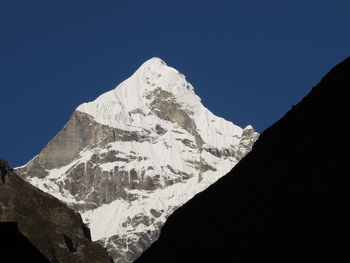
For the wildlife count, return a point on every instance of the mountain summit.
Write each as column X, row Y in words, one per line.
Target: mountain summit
column 129, row 158
column 131, row 94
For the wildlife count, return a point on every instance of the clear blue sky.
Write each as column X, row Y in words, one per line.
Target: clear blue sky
column 249, row 61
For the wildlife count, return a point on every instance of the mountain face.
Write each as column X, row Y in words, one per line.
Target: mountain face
column 36, row 227
column 128, row 159
column 286, row 201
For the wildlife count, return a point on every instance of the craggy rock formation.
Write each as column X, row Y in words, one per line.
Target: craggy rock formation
column 286, row 201
column 51, row 227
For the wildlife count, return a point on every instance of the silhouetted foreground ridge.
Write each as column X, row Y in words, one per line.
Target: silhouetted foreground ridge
column 286, row 201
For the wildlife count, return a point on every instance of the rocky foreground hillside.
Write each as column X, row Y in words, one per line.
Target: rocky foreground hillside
column 12, row 241
column 45, row 228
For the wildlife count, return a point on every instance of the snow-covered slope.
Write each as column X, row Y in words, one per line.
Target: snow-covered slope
column 128, row 159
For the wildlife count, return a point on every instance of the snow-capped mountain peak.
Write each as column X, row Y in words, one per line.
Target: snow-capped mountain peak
column 135, row 93
column 129, row 158
column 153, row 89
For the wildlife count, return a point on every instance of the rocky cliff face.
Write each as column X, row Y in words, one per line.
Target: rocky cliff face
column 45, row 224
column 285, row 201
column 128, row 159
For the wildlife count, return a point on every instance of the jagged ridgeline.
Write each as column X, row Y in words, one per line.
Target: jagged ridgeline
column 128, row 159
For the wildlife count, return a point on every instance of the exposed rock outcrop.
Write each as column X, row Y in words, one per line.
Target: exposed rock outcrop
column 51, row 227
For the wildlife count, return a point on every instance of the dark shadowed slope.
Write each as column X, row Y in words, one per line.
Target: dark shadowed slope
column 17, row 248
column 286, row 201
column 45, row 223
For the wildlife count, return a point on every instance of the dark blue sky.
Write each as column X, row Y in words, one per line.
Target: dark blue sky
column 249, row 61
